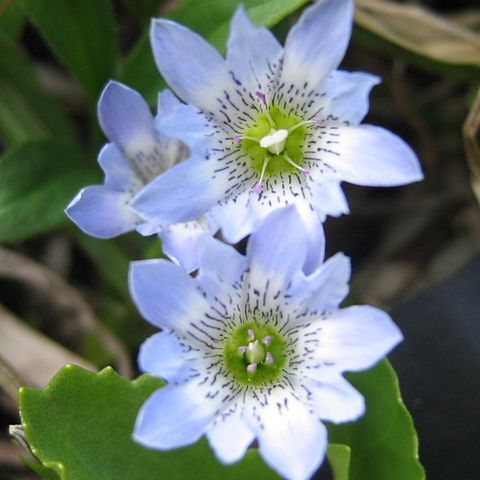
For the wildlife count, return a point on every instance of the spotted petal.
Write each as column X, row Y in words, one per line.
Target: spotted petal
column 253, row 54
column 291, row 439
column 191, row 66
column 229, row 435
column 165, row 294
column 368, row 155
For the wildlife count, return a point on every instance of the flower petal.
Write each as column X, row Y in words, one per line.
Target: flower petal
column 180, row 242
column 373, row 156
column 190, row 65
column 118, row 172
column 328, row 198
column 124, row 116
column 291, row 439
column 253, row 54
column 175, row 416
column 165, row 356
column 335, row 400
column 348, row 95
column 229, row 435
column 328, row 286
column 164, row 294
column 183, row 193
column 349, row 339
column 102, row 212
column 276, row 251
column 316, row 45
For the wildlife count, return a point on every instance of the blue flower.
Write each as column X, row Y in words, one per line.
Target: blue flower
column 283, row 125
column 137, row 154
column 252, row 348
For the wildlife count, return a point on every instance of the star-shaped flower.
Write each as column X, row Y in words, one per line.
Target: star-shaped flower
column 283, row 125
column 137, row 154
column 252, row 348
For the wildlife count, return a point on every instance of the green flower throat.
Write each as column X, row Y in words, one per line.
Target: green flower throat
column 255, row 354
column 275, row 142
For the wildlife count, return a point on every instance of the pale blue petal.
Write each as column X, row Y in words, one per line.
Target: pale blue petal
column 190, row 65
column 292, row 440
column 183, row 193
column 118, row 173
column 229, row 436
column 328, row 286
column 165, row 295
column 101, row 212
column 124, row 115
column 253, row 54
column 237, row 216
column 347, row 94
column 180, row 242
column 220, row 267
column 373, row 156
column 316, row 45
column 276, row 250
column 328, row 197
column 167, row 103
column 174, row 416
column 335, row 400
column 188, row 125
column 353, row 339
column 164, row 356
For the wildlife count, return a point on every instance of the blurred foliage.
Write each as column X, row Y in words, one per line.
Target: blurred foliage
column 55, row 57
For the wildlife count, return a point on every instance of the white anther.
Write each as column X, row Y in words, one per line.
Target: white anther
column 266, row 340
column 269, row 358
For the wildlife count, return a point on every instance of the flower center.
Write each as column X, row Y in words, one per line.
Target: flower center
column 274, row 142
column 254, row 354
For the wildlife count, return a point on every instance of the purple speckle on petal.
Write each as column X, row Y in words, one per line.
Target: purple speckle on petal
column 262, row 97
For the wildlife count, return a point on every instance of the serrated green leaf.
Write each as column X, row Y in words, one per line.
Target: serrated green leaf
column 383, row 443
column 81, row 424
column 210, row 18
column 339, row 459
column 81, row 34
column 37, row 180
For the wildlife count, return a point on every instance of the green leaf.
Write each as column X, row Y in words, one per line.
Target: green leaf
column 383, row 443
column 37, row 180
column 25, row 112
column 143, row 9
column 81, row 424
column 339, row 458
column 12, row 19
column 210, row 18
column 81, row 34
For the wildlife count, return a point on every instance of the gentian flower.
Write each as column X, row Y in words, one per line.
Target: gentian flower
column 252, row 348
column 283, row 125
column 137, row 153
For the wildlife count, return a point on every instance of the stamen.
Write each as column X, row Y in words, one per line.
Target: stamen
column 266, row 340
column 269, row 358
column 257, row 188
column 293, row 164
column 237, row 138
column 300, row 124
column 242, row 349
column 251, row 367
column 251, row 334
column 263, row 99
